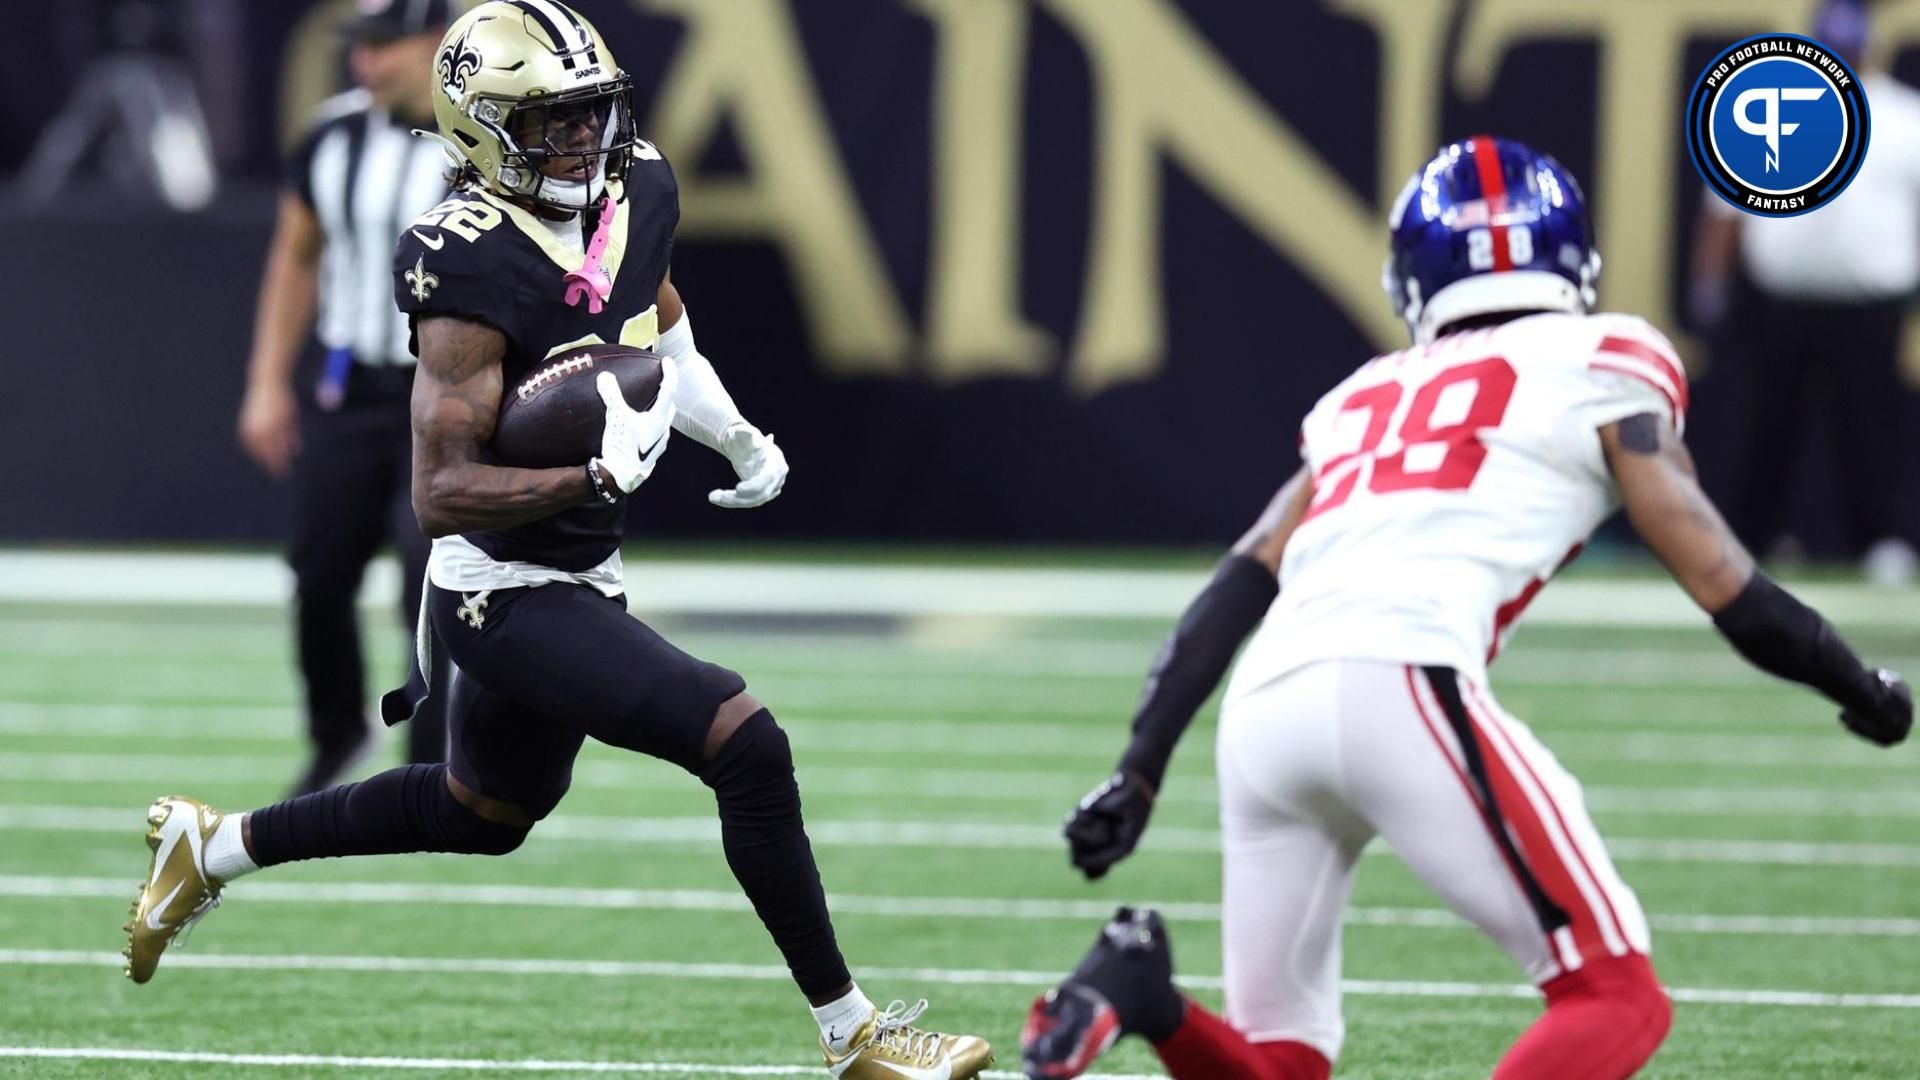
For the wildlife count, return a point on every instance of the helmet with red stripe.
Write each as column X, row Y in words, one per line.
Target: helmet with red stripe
column 1489, row 226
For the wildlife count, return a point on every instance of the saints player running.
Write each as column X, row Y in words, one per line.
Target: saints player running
column 558, row 235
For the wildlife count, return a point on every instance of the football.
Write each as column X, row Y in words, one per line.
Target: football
column 553, row 416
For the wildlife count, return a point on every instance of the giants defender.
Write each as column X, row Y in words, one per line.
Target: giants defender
column 1442, row 486
column 558, row 235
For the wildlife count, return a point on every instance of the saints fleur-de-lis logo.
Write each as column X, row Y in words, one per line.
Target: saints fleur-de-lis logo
column 423, row 282
column 473, row 609
column 457, row 61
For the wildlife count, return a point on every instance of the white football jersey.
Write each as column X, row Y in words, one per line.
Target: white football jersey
column 1450, row 481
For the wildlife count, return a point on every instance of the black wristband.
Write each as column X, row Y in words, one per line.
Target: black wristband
column 1782, row 636
column 1195, row 655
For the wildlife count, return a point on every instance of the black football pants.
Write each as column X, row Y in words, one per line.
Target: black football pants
column 1785, row 368
column 548, row 667
column 351, row 496
column 537, row 671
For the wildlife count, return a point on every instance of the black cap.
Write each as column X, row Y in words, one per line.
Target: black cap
column 387, row 20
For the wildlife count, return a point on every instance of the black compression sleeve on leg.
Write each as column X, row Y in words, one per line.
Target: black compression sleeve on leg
column 400, row 810
column 767, row 849
column 1193, row 658
column 1782, row 636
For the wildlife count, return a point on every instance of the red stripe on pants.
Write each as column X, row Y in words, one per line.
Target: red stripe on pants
column 1536, row 844
column 1473, row 795
column 1488, row 723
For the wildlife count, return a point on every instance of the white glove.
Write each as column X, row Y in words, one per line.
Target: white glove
column 759, row 464
column 634, row 439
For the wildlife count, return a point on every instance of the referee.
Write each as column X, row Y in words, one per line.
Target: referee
column 352, row 184
column 1808, row 315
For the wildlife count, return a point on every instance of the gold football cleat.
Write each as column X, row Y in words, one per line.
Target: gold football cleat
column 177, row 892
column 889, row 1047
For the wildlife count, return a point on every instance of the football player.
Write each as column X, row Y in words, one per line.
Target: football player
column 558, row 235
column 1441, row 487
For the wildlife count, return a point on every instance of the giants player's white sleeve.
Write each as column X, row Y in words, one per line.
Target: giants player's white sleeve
column 1632, row 369
column 1450, row 481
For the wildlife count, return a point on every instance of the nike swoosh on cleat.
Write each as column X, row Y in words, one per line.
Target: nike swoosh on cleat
column 161, row 856
column 434, row 242
column 152, row 922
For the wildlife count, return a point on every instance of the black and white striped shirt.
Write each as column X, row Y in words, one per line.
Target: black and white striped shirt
column 365, row 176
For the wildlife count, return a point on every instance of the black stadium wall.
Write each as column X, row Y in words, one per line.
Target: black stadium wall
column 1034, row 270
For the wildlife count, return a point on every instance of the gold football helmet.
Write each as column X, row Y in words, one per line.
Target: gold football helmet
column 532, row 103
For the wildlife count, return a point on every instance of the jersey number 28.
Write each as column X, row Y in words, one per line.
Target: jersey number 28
column 1492, row 379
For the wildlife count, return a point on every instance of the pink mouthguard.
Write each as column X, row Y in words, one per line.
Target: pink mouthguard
column 591, row 282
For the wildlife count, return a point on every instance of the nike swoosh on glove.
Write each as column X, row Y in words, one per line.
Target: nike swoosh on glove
column 1890, row 718
column 760, row 465
column 634, row 439
column 1108, row 823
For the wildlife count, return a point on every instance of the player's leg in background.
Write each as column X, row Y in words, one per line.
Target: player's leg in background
column 341, row 491
column 1872, row 425
column 1552, row 901
column 1757, row 390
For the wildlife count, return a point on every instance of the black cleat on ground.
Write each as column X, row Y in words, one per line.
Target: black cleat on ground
column 1124, row 986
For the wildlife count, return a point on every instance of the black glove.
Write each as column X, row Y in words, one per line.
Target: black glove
column 1107, row 824
column 1887, row 721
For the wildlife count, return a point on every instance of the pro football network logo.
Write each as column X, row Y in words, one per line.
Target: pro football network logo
column 1778, row 125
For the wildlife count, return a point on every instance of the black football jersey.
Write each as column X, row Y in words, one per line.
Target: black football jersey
column 480, row 257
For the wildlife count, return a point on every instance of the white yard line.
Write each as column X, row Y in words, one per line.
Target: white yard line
column 932, row 907
column 965, row 785
column 1087, row 717
column 1013, row 836
column 480, row 1065
column 1065, row 741
column 1829, row 748
column 778, row 654
column 774, row 651
column 947, row 784
column 619, row 969
column 1758, row 801
column 807, row 589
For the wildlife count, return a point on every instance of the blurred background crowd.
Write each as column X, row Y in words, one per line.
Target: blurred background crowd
column 1028, row 271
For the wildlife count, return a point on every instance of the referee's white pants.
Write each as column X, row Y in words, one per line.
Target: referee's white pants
column 1317, row 763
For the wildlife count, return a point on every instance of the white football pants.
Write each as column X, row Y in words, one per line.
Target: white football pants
column 1317, row 763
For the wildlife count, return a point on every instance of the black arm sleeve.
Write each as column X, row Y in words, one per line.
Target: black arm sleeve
column 1782, row 636
column 1194, row 657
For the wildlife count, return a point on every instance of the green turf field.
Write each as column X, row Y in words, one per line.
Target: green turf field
column 1775, row 856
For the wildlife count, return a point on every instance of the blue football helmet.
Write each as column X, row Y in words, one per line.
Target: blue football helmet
column 1489, row 225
